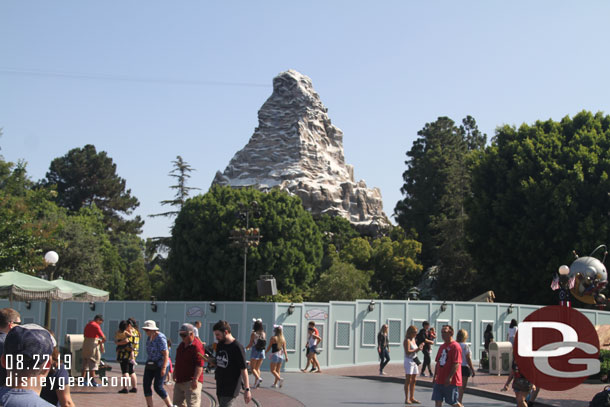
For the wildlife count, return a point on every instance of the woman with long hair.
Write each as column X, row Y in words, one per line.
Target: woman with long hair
column 411, row 369
column 125, row 355
column 257, row 355
column 383, row 348
column 512, row 331
column 467, row 368
column 277, row 345
column 521, row 386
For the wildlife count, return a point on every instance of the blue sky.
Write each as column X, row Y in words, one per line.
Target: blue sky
column 149, row 80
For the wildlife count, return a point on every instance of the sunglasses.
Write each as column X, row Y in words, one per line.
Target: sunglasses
column 183, row 334
column 16, row 322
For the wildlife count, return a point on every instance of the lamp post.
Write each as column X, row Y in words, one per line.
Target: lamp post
column 564, row 286
column 50, row 258
column 246, row 237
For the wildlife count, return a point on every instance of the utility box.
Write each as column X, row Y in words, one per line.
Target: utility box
column 74, row 347
column 500, row 358
column 266, row 285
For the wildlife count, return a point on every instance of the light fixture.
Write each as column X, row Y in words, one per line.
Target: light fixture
column 153, row 303
column 564, row 270
column 92, row 306
column 371, row 306
column 28, row 304
column 444, row 306
column 510, row 309
column 51, row 258
column 213, row 307
column 291, row 308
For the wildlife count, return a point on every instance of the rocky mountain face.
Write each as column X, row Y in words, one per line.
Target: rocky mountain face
column 296, row 148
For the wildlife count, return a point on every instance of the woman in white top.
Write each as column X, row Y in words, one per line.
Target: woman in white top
column 467, row 368
column 277, row 346
column 512, row 331
column 411, row 369
column 257, row 355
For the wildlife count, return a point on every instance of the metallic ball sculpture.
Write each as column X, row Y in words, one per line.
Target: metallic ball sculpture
column 589, row 278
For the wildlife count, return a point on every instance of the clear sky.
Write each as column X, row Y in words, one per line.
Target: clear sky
column 149, row 80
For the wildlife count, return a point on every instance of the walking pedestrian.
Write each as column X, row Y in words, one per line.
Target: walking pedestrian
column 231, row 372
column 125, row 355
column 32, row 346
column 383, row 348
column 521, row 386
column 311, row 324
column 467, row 368
column 512, row 331
column 411, row 369
column 488, row 337
column 425, row 336
column 447, row 372
column 93, row 347
column 156, row 363
column 313, row 340
column 9, row 318
column 277, row 345
column 197, row 325
column 258, row 341
column 134, row 340
column 188, row 372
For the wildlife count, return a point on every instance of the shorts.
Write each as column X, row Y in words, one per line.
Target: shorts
column 465, row 372
column 312, row 349
column 257, row 354
column 410, row 366
column 126, row 367
column 91, row 354
column 275, row 358
column 448, row 393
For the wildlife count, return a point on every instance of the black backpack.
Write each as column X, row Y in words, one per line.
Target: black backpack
column 601, row 399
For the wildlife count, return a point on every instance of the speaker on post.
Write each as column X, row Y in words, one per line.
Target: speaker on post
column 266, row 285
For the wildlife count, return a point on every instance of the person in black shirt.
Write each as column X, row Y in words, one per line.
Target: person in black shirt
column 424, row 337
column 383, row 348
column 231, row 369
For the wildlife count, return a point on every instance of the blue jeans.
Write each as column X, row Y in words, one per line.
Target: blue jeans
column 151, row 375
column 384, row 355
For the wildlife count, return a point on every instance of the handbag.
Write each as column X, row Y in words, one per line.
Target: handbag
column 417, row 361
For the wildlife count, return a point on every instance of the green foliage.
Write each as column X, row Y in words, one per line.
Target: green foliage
column 538, row 192
column 181, row 172
column 343, row 282
column 83, row 177
column 133, row 267
column 204, row 265
column 336, row 230
column 437, row 182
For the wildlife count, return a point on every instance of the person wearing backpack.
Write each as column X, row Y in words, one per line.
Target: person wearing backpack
column 258, row 341
column 424, row 337
column 601, row 399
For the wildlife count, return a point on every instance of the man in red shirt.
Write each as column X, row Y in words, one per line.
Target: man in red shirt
column 93, row 347
column 447, row 372
column 188, row 372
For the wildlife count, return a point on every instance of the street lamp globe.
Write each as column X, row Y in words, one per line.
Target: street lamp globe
column 564, row 270
column 51, row 258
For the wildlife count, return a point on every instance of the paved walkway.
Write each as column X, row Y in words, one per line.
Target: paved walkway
column 354, row 385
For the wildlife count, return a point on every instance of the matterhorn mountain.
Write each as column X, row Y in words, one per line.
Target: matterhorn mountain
column 297, row 149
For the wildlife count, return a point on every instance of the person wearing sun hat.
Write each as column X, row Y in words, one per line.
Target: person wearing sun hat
column 24, row 382
column 188, row 372
column 156, row 363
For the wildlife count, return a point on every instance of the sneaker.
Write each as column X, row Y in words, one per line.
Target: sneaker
column 423, row 375
column 123, row 391
column 259, row 382
column 256, row 383
column 281, row 383
column 274, row 386
column 134, row 390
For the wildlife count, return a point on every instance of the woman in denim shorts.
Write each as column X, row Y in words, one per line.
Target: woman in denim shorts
column 257, row 355
column 277, row 345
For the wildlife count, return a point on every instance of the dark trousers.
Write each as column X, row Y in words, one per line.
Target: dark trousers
column 384, row 355
column 151, row 375
column 427, row 362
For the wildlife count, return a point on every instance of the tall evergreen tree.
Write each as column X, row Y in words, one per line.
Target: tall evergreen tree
column 84, row 177
column 181, row 172
column 437, row 181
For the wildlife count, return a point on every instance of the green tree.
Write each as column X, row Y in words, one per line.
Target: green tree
column 181, row 172
column 205, row 265
column 83, row 177
column 538, row 192
column 437, row 181
column 343, row 282
column 133, row 267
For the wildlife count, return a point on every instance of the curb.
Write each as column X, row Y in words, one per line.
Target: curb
column 469, row 390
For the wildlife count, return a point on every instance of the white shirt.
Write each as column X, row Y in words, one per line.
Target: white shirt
column 465, row 352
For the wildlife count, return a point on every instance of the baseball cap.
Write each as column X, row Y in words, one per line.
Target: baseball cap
column 29, row 340
column 187, row 328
